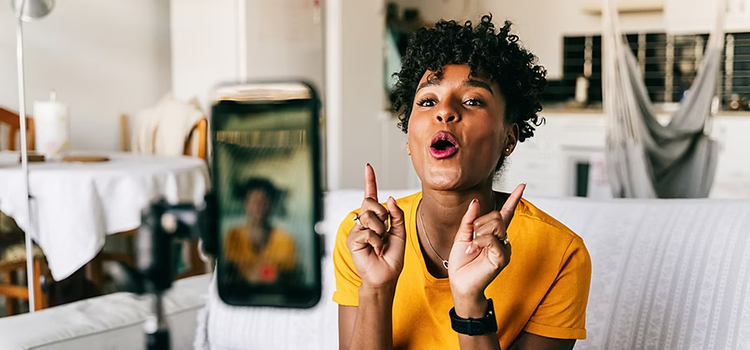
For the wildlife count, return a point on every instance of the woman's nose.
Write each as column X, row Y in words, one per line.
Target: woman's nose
column 448, row 119
column 447, row 114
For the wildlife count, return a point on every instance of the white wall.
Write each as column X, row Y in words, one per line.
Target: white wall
column 359, row 128
column 104, row 58
column 223, row 41
column 691, row 16
column 284, row 41
column 205, row 46
column 362, row 89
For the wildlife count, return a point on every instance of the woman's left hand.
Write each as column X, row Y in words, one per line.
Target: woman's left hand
column 479, row 253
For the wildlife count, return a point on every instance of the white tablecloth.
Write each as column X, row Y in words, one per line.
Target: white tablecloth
column 75, row 205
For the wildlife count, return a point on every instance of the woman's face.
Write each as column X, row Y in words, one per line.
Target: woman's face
column 257, row 206
column 457, row 130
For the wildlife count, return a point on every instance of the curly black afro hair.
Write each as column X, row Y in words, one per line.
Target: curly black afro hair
column 493, row 55
column 275, row 195
column 257, row 183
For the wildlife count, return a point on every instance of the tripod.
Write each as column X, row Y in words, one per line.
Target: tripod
column 163, row 226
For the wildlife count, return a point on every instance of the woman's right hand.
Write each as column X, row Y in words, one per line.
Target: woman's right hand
column 377, row 251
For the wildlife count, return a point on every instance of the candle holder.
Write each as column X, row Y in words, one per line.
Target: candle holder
column 52, row 128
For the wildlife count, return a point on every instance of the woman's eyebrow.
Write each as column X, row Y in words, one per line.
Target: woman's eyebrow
column 478, row 84
column 428, row 83
column 468, row 82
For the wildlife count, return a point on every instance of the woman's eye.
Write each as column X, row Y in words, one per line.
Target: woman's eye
column 426, row 103
column 473, row 102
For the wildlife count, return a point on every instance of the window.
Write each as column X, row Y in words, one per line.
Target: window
column 668, row 63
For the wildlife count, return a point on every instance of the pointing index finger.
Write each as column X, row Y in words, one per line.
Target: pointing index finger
column 509, row 208
column 466, row 230
column 371, row 186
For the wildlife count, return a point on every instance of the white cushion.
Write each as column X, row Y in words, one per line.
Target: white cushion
column 113, row 321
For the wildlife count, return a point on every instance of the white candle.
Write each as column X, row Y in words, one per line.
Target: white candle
column 51, row 126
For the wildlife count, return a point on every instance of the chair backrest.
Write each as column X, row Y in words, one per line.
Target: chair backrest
column 199, row 135
column 195, row 144
column 10, row 122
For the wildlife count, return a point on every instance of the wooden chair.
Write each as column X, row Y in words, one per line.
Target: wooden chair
column 12, row 262
column 13, row 257
column 199, row 131
column 13, row 123
column 198, row 134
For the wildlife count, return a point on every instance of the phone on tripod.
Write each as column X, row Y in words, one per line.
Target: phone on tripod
column 266, row 168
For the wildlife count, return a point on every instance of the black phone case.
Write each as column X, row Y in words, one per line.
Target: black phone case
column 305, row 298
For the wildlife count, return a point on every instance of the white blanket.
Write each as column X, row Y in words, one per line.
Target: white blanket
column 667, row 274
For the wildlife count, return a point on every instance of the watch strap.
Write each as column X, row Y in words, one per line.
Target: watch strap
column 475, row 326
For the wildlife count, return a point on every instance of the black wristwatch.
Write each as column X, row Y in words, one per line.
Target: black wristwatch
column 475, row 326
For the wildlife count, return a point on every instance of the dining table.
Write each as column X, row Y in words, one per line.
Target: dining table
column 75, row 202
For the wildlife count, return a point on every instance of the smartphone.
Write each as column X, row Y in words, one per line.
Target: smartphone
column 267, row 191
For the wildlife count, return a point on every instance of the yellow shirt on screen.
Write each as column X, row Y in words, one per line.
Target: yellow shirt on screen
column 543, row 291
column 279, row 251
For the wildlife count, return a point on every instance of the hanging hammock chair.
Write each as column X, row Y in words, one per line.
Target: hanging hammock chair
column 646, row 159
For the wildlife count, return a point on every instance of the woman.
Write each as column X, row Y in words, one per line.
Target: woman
column 259, row 251
column 433, row 270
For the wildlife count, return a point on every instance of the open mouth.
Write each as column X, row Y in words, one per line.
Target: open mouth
column 443, row 145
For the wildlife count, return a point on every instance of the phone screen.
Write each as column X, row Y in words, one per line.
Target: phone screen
column 266, row 180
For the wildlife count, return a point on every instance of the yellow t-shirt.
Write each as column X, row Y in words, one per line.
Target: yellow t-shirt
column 543, row 291
column 278, row 253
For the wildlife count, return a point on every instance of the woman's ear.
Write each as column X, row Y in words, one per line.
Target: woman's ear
column 408, row 151
column 511, row 139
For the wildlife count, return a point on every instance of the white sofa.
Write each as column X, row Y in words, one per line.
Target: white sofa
column 113, row 321
column 667, row 274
